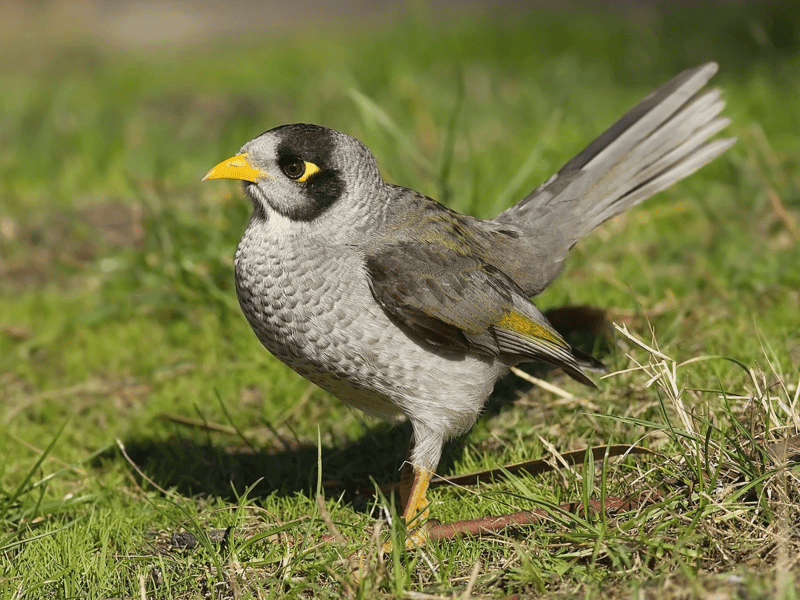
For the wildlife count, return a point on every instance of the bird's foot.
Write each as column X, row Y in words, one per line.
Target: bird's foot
column 415, row 539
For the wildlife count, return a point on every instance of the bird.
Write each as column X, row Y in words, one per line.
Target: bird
column 404, row 308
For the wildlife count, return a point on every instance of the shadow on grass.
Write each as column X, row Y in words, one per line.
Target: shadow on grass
column 191, row 467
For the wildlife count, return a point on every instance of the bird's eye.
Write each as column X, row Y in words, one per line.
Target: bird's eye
column 299, row 170
column 294, row 170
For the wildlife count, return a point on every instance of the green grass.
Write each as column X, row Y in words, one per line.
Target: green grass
column 117, row 306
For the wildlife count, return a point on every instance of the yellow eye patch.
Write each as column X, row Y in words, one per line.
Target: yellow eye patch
column 310, row 169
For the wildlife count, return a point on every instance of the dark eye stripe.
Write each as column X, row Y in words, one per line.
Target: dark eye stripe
column 321, row 184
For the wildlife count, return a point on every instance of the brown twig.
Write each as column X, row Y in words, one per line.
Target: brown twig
column 495, row 524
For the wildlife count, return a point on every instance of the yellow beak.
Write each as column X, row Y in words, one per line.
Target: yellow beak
column 237, row 167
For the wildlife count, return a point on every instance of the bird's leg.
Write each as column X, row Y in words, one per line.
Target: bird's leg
column 416, row 503
column 414, row 483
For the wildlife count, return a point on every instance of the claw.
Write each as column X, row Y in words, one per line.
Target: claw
column 416, row 538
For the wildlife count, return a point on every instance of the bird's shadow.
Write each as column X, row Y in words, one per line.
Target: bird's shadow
column 191, row 466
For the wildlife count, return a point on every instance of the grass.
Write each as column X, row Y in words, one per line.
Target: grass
column 118, row 307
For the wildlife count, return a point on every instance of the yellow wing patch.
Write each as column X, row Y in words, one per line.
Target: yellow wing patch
column 514, row 321
column 311, row 169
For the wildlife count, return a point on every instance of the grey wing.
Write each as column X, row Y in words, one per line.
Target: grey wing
column 661, row 140
column 447, row 298
column 455, row 300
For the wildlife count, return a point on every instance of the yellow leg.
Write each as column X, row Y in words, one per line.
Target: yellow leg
column 414, row 483
column 416, row 507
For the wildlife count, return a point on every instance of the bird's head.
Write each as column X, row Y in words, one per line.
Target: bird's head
column 303, row 171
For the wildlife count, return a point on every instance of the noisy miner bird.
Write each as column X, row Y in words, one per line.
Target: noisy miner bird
column 400, row 306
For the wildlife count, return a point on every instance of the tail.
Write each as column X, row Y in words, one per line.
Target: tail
column 662, row 139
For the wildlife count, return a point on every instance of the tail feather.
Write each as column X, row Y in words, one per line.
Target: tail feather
column 659, row 141
column 665, row 151
column 677, row 171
